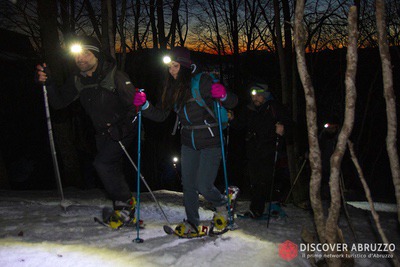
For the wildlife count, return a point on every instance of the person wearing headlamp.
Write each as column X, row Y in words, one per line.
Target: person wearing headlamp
column 264, row 120
column 200, row 142
column 106, row 95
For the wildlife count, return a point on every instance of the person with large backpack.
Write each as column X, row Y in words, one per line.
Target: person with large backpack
column 265, row 121
column 106, row 95
column 200, row 142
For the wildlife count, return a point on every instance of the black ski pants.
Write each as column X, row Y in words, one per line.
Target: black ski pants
column 109, row 166
column 259, row 171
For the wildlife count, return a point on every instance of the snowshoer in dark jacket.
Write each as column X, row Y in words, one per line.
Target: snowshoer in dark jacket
column 264, row 120
column 201, row 145
column 106, row 95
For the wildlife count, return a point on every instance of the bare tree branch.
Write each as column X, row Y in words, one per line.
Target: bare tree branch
column 369, row 199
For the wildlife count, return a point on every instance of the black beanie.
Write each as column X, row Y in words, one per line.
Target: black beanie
column 90, row 43
column 182, row 56
column 261, row 89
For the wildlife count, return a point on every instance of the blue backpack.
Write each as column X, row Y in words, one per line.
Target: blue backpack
column 200, row 101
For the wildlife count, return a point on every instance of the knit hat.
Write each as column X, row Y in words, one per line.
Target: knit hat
column 90, row 43
column 261, row 89
column 182, row 56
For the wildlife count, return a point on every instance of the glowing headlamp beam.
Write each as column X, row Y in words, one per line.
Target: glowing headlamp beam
column 167, row 59
column 76, row 48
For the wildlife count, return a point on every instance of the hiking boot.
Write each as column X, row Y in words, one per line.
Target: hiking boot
column 186, row 228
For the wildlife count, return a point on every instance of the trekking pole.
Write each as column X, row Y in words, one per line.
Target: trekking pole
column 139, row 114
column 221, row 136
column 143, row 180
column 273, row 178
column 295, row 181
column 64, row 204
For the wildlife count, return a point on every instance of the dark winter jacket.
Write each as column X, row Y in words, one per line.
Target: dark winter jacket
column 259, row 124
column 106, row 96
column 192, row 115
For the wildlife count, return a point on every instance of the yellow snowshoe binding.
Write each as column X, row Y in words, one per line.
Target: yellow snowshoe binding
column 188, row 230
column 123, row 215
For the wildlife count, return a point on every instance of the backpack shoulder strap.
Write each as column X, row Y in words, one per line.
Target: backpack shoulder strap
column 195, row 83
column 195, row 89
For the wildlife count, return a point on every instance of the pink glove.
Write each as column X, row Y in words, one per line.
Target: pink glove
column 139, row 99
column 218, row 90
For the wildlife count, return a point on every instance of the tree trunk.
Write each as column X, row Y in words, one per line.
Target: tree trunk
column 311, row 113
column 391, row 142
column 72, row 15
column 161, row 25
column 111, row 28
column 281, row 53
column 286, row 90
column 122, row 35
column 64, row 14
column 153, row 23
column 174, row 22
column 233, row 20
column 92, row 17
column 105, row 37
column 219, row 43
column 331, row 228
column 136, row 38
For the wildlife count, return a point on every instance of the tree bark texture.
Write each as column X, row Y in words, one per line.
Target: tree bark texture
column 111, row 27
column 390, row 98
column 311, row 113
column 153, row 24
column 337, row 156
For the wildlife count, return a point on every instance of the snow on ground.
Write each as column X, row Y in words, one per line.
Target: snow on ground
column 35, row 231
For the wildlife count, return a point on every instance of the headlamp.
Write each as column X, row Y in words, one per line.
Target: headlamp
column 326, row 125
column 257, row 91
column 76, row 48
column 167, row 59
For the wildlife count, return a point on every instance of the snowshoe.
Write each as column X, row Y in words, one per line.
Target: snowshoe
column 122, row 215
column 186, row 230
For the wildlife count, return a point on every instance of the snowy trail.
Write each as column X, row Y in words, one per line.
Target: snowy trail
column 34, row 231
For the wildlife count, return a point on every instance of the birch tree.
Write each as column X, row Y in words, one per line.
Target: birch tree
column 391, row 139
column 327, row 229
